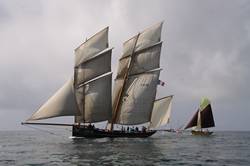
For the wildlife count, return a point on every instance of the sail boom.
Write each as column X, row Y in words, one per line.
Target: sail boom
column 47, row 124
column 164, row 97
column 142, row 50
column 149, row 71
column 95, row 56
column 94, row 79
column 145, row 72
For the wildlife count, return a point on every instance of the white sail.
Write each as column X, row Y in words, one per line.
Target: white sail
column 92, row 46
column 123, row 67
column 129, row 46
column 94, row 67
column 149, row 37
column 137, row 99
column 62, row 103
column 146, row 60
column 161, row 112
column 117, row 88
column 96, row 99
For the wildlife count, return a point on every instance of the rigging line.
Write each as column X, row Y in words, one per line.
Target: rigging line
column 42, row 130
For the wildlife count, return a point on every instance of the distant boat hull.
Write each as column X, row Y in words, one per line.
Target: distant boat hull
column 201, row 133
column 101, row 133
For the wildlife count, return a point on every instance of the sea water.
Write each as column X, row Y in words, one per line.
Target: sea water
column 164, row 148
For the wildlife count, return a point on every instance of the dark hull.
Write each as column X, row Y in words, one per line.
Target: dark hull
column 100, row 133
column 202, row 133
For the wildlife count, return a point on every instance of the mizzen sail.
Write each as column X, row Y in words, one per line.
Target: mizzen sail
column 161, row 112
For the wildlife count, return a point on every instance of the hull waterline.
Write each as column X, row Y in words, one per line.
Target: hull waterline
column 101, row 133
column 201, row 133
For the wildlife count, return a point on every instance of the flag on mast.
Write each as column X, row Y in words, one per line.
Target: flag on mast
column 161, row 83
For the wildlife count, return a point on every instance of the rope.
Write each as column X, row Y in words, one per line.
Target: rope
column 42, row 130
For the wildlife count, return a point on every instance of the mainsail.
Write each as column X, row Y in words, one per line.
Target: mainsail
column 161, row 112
column 203, row 118
column 137, row 77
column 93, row 79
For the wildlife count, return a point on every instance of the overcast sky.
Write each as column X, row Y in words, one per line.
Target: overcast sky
column 205, row 52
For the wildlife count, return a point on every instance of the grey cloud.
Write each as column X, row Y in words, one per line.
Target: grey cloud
column 205, row 50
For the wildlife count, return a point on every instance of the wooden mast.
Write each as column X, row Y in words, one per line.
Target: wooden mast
column 117, row 104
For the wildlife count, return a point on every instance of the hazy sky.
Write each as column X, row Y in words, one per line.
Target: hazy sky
column 205, row 52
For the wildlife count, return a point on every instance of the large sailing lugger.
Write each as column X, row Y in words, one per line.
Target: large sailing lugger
column 88, row 95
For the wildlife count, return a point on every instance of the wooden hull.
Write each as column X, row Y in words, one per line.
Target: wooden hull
column 202, row 133
column 100, row 133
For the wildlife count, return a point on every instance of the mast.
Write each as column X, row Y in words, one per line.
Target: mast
column 117, row 104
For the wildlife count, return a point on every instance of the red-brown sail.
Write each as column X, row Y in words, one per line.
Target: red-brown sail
column 193, row 121
column 207, row 119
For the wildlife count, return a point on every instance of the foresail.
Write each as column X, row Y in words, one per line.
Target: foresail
column 93, row 80
column 96, row 100
column 62, row 103
column 161, row 112
column 92, row 46
column 137, row 99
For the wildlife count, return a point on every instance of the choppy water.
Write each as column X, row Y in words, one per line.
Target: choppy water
column 39, row 148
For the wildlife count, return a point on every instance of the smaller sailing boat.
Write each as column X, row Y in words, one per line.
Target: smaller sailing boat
column 203, row 118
